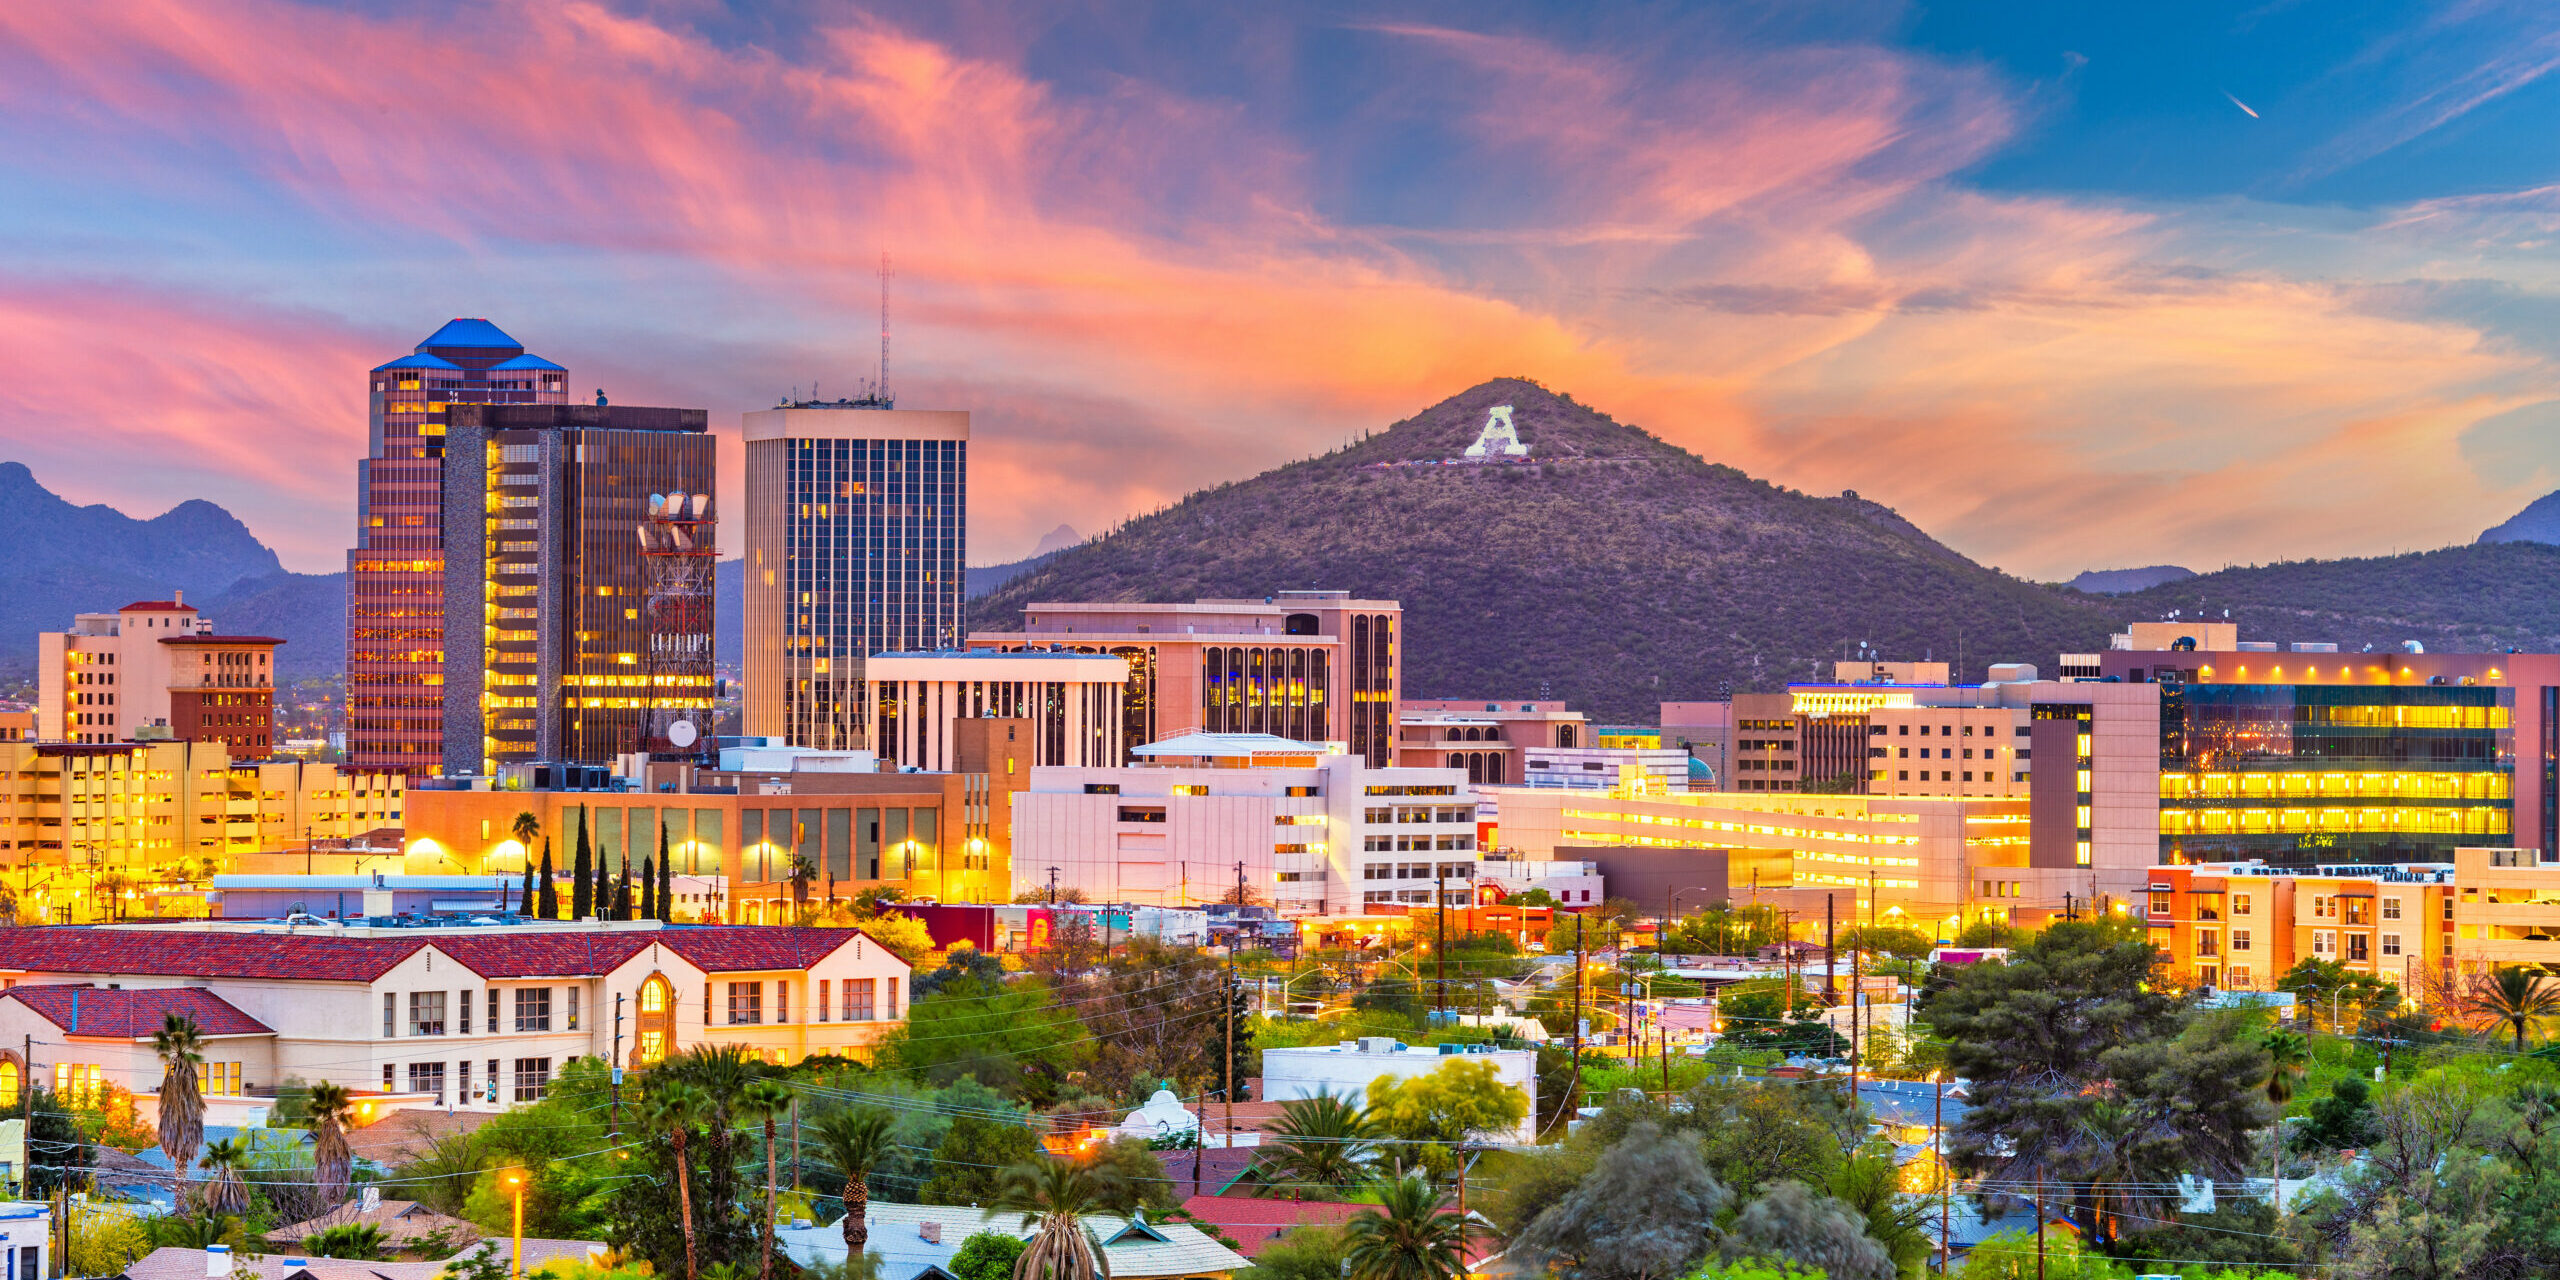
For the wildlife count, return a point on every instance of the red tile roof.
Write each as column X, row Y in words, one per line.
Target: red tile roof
column 132, row 1013
column 495, row 953
column 146, row 606
column 1254, row 1223
column 214, row 639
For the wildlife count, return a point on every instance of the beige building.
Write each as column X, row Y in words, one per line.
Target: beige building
column 1072, row 701
column 1484, row 736
column 155, row 669
column 1309, row 666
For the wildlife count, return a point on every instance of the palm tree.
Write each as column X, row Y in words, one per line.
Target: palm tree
column 2288, row 1056
column 855, row 1142
column 361, row 1241
column 181, row 1049
column 528, row 829
column 1057, row 1194
column 677, row 1107
column 225, row 1195
column 2514, row 996
column 1324, row 1145
column 330, row 1160
column 1406, row 1237
column 768, row 1099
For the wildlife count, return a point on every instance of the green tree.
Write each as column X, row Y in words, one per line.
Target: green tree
column 582, row 870
column 1871, row 1187
column 1592, row 931
column 1645, row 1211
column 548, row 906
column 1899, row 941
column 1312, row 1252
column 856, row 1141
column 675, row 1108
column 1055, row 1196
column 58, row 1154
column 1406, row 1236
column 1011, row 1036
column 181, row 1049
column 2345, row 1117
column 1462, row 1099
column 2513, row 996
column 331, row 1162
column 649, row 888
column 972, row 1156
column 666, row 880
column 1792, row 1221
column 526, row 828
column 766, row 1100
column 1324, row 1145
column 2337, row 993
column 988, row 1255
column 225, row 1195
column 361, row 1241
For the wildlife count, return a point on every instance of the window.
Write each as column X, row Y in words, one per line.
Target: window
column 746, row 1003
column 2323, row 943
column 891, row 987
column 2357, row 910
column 2208, row 943
column 2390, row 908
column 2239, row 907
column 2320, row 908
column 533, row 1075
column 390, row 1015
column 857, row 999
column 426, row 1016
column 462, row 1078
column 1141, row 813
column 573, row 1008
column 2239, row 940
column 2358, row 947
column 387, row 1085
column 782, row 1001
column 492, row 1006
column 533, row 1008
column 2391, row 944
column 2159, row 904
column 428, row 1077
column 823, row 1002
column 9, row 1082
column 216, row 1079
column 462, row 1026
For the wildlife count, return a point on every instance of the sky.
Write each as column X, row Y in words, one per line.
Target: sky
column 2070, row 286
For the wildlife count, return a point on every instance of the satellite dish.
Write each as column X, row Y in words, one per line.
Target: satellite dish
column 681, row 733
column 657, row 503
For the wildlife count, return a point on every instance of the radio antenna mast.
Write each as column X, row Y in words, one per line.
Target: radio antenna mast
column 883, row 390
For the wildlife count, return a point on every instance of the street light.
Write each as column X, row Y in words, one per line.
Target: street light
column 515, row 1184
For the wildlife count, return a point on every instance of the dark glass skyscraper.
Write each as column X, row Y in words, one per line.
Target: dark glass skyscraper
column 395, row 574
column 857, row 534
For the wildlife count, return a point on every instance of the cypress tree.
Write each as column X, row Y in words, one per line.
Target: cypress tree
column 622, row 893
column 582, row 875
column 548, row 906
column 524, row 898
column 602, row 894
column 666, row 888
column 648, row 890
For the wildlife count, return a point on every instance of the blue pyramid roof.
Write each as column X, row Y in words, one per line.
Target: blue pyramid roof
column 527, row 361
column 422, row 360
column 473, row 333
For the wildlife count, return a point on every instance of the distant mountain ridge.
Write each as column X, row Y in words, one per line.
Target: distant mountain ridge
column 2538, row 522
column 2115, row 582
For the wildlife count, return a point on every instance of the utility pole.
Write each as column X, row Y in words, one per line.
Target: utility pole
column 1854, row 993
column 1938, row 1155
column 1053, row 886
column 617, row 1057
column 1440, row 949
column 795, row 1142
column 1830, row 951
column 2039, row 1224
column 1227, row 995
column 1579, row 937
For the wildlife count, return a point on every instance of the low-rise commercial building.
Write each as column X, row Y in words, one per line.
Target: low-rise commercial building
column 1071, row 700
column 1309, row 666
column 1486, row 738
column 1307, row 828
column 479, row 1017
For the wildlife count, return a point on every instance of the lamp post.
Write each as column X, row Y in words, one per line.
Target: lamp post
column 515, row 1185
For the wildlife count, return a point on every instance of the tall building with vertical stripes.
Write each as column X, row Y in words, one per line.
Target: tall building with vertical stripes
column 395, row 574
column 856, row 537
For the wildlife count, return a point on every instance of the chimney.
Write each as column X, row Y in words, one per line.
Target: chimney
column 217, row 1261
column 931, row 1232
column 178, row 597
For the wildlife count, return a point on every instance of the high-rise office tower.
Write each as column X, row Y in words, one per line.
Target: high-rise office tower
column 577, row 607
column 857, row 531
column 395, row 575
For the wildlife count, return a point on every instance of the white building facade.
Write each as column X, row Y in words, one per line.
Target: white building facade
column 1073, row 701
column 1310, row 830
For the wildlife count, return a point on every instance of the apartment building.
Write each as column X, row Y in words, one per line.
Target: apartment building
column 2242, row 926
column 1308, row 666
column 156, row 669
column 1309, row 829
column 1485, row 737
column 477, row 1018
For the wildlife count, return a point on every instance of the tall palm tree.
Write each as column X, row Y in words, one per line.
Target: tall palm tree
column 1056, row 1194
column 722, row 1072
column 2513, row 996
column 1324, row 1145
column 331, row 1162
column 527, row 829
column 767, row 1099
column 181, row 1048
column 1406, row 1237
column 225, row 1195
column 677, row 1107
column 2288, row 1056
column 855, row 1141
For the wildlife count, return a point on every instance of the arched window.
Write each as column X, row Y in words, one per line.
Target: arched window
column 1457, row 761
column 1493, row 770
column 654, row 1027
column 1454, row 735
column 11, row 1079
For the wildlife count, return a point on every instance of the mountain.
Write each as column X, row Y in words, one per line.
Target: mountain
column 2485, row 597
column 2538, row 522
column 1607, row 567
column 67, row 559
column 1058, row 539
column 2115, row 582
